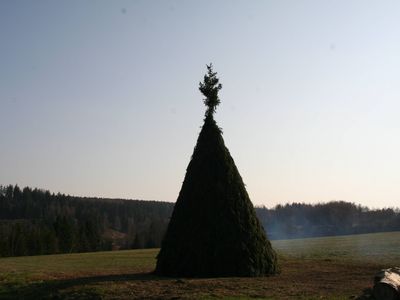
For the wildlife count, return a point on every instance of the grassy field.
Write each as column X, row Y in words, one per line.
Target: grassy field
column 379, row 248
column 317, row 268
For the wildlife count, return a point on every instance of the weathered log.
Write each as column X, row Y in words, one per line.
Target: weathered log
column 387, row 284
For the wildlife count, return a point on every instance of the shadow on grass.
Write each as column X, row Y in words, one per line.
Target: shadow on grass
column 366, row 295
column 84, row 288
column 74, row 288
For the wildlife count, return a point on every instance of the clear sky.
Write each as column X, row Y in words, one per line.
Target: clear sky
column 100, row 98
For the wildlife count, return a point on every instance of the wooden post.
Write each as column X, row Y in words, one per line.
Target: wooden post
column 387, row 284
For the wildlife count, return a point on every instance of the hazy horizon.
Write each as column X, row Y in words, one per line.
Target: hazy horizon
column 101, row 98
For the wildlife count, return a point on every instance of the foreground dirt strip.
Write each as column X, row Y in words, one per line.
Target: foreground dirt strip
column 299, row 279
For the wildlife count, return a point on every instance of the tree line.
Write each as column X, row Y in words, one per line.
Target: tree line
column 35, row 221
column 298, row 220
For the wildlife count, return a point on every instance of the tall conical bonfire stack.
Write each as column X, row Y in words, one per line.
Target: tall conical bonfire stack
column 214, row 230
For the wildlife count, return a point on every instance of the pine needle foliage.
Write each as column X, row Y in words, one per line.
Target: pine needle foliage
column 214, row 230
column 210, row 88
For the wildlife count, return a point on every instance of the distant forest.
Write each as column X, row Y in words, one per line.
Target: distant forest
column 299, row 220
column 35, row 221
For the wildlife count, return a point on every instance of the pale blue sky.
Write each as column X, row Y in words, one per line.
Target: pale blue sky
column 100, row 98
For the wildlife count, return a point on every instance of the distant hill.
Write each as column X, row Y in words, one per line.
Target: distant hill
column 35, row 221
column 299, row 220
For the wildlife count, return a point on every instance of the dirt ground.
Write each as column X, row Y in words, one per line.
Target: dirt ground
column 299, row 279
column 307, row 279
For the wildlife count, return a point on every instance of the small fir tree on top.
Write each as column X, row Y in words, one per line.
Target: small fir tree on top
column 210, row 88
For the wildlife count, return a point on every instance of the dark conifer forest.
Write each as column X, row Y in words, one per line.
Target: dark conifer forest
column 34, row 221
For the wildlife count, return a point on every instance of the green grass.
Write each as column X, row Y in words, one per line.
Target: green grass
column 67, row 264
column 315, row 268
column 37, row 272
column 380, row 248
